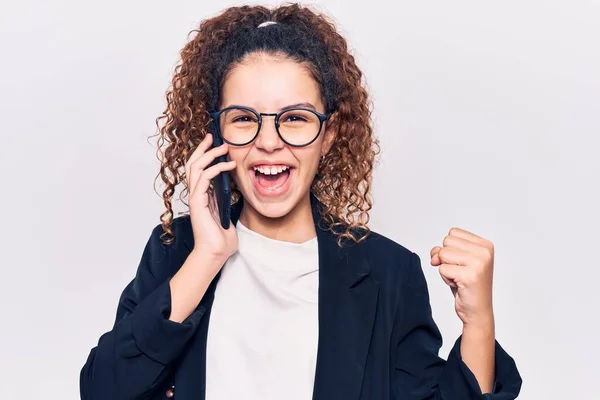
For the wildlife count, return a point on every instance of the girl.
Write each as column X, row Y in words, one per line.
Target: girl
column 297, row 299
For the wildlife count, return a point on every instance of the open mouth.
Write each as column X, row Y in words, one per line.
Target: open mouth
column 271, row 179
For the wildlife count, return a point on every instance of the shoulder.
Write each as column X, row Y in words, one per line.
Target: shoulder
column 388, row 258
column 181, row 233
column 396, row 268
column 381, row 248
column 164, row 259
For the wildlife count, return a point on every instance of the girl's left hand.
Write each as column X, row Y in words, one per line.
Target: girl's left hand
column 466, row 264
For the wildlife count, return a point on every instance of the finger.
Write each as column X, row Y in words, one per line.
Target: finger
column 453, row 255
column 434, row 250
column 204, row 179
column 466, row 235
column 465, row 245
column 205, row 160
column 201, row 149
column 448, row 281
column 451, row 272
column 446, row 277
column 435, row 260
column 203, row 146
column 460, row 243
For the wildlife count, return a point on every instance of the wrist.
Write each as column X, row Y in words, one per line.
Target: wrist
column 207, row 258
column 484, row 323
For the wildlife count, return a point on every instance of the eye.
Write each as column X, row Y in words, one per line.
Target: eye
column 240, row 117
column 244, row 118
column 294, row 118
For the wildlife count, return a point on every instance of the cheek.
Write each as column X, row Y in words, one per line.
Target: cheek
column 238, row 155
column 309, row 161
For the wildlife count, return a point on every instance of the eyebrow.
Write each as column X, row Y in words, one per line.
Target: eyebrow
column 304, row 105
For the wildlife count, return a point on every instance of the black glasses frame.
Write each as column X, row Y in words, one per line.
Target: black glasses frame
column 216, row 115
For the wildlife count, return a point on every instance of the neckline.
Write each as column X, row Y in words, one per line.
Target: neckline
column 249, row 231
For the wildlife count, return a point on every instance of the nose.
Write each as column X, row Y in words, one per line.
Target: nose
column 268, row 139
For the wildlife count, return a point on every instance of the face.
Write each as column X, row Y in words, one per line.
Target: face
column 273, row 177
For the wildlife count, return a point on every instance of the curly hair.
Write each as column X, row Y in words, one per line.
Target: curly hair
column 343, row 180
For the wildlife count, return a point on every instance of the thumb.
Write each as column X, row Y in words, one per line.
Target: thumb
column 450, row 273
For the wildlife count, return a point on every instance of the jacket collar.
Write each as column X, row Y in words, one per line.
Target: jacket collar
column 347, row 305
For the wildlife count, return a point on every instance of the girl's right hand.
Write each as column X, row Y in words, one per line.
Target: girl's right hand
column 209, row 236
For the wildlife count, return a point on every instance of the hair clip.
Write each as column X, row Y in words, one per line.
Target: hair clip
column 266, row 23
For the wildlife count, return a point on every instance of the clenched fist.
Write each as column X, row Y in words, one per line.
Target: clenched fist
column 466, row 263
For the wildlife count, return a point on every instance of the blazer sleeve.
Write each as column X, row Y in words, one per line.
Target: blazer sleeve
column 134, row 359
column 420, row 374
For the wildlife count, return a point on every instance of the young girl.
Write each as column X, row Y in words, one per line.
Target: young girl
column 297, row 299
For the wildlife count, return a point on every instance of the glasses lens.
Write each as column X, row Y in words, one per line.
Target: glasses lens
column 299, row 127
column 238, row 126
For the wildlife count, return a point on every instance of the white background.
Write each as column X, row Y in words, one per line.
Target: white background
column 488, row 115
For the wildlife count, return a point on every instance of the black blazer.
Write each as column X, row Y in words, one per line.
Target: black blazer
column 377, row 339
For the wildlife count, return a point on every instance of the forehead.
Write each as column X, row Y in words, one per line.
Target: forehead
column 269, row 83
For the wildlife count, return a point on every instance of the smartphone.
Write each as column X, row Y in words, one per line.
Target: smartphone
column 221, row 183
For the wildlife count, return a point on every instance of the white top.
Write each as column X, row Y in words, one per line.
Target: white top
column 263, row 327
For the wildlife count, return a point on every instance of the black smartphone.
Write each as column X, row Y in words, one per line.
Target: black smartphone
column 221, row 183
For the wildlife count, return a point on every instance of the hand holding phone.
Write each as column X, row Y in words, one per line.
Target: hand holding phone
column 212, row 231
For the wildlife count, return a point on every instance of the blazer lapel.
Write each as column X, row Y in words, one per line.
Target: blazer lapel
column 347, row 305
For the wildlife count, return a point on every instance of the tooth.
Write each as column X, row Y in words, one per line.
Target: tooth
column 271, row 170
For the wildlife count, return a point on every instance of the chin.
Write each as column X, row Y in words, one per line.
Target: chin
column 272, row 208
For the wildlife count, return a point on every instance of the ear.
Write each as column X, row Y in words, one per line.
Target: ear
column 331, row 129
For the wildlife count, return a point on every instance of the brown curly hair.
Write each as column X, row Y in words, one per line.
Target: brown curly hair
column 343, row 179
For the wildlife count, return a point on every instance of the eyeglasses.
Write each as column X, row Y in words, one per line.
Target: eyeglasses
column 297, row 127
